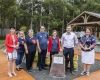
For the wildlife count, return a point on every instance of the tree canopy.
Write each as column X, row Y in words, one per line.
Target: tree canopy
column 53, row 14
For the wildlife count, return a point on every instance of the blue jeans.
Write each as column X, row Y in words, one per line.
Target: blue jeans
column 20, row 55
column 69, row 53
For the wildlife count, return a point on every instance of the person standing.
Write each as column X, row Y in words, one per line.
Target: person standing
column 42, row 42
column 31, row 46
column 20, row 50
column 87, row 44
column 69, row 40
column 53, row 45
column 11, row 43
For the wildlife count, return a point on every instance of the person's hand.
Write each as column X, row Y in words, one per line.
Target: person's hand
column 39, row 50
column 61, row 50
column 17, row 46
column 22, row 42
column 48, row 53
column 13, row 46
column 34, row 42
column 86, row 48
column 26, row 51
column 52, row 56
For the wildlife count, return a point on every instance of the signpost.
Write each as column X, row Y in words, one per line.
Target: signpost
column 58, row 66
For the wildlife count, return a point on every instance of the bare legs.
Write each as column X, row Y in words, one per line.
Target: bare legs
column 11, row 67
column 86, row 69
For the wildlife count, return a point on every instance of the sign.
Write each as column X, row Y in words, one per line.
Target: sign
column 58, row 60
column 58, row 66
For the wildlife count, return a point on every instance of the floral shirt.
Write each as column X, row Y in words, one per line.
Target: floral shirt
column 88, row 41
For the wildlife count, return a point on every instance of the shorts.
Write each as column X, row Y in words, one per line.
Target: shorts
column 12, row 56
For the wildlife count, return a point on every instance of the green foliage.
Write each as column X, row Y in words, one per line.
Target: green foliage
column 54, row 14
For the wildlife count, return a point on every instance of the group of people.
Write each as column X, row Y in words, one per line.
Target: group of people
column 19, row 45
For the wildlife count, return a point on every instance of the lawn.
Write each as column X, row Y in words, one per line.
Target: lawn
column 1, row 41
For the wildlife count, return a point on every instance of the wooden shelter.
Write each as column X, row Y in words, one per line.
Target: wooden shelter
column 85, row 19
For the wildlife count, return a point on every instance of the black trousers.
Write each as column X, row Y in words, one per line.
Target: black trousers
column 42, row 58
column 69, row 55
column 29, row 59
column 51, row 54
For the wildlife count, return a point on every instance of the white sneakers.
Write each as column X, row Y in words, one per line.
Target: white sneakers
column 85, row 73
column 12, row 74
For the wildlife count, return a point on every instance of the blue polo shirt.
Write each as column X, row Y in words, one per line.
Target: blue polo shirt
column 31, row 46
column 43, row 39
column 21, row 46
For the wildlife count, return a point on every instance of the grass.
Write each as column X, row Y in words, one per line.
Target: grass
column 1, row 41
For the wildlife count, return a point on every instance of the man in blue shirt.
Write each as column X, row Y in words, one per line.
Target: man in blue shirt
column 42, row 42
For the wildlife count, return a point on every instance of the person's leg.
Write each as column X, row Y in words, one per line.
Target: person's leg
column 10, row 68
column 44, row 60
column 13, row 67
column 88, row 66
column 71, row 56
column 50, row 59
column 27, row 61
column 51, row 55
column 39, row 61
column 13, row 62
column 65, row 52
column 18, row 61
column 84, row 69
column 10, row 57
column 32, row 58
column 21, row 58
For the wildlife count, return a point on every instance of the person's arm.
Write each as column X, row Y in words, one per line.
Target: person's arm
column 25, row 46
column 49, row 44
column 38, row 46
column 62, row 43
column 93, row 43
column 59, row 45
column 26, row 49
column 81, row 44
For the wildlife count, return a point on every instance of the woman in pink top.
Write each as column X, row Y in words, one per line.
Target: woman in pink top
column 11, row 43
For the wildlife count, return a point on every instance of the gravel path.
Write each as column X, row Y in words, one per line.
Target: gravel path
column 44, row 75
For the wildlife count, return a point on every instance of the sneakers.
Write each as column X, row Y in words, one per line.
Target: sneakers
column 85, row 73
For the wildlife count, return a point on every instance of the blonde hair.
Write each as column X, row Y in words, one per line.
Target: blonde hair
column 20, row 33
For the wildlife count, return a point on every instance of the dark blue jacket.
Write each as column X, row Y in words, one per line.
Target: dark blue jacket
column 21, row 46
column 31, row 44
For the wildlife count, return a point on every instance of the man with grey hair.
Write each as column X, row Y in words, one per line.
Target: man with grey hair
column 69, row 40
